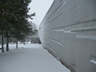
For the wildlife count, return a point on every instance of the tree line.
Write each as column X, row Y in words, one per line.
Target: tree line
column 14, row 20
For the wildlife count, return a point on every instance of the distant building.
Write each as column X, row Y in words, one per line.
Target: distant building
column 34, row 38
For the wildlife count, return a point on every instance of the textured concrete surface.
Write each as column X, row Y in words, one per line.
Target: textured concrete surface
column 68, row 31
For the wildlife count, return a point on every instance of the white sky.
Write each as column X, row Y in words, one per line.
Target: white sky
column 40, row 7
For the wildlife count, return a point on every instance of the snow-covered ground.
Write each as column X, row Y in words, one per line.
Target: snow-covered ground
column 21, row 45
column 29, row 58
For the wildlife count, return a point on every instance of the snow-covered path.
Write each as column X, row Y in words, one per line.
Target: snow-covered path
column 29, row 58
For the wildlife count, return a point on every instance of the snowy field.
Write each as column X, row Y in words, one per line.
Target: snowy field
column 21, row 45
column 29, row 58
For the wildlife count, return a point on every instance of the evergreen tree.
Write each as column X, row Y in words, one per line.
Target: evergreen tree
column 13, row 19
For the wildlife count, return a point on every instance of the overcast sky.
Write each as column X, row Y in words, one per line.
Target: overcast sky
column 40, row 7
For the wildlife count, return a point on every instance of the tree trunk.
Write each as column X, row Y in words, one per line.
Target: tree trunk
column 16, row 44
column 7, row 44
column 2, row 44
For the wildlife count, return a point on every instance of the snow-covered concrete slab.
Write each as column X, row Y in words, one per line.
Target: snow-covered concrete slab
column 30, row 58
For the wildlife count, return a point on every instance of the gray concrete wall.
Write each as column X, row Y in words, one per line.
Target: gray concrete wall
column 68, row 31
